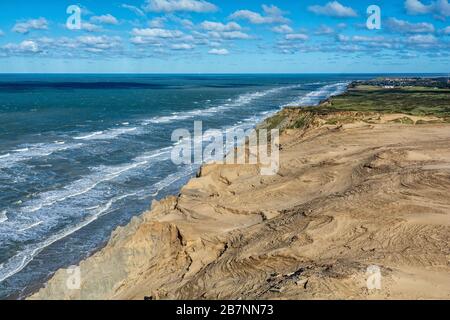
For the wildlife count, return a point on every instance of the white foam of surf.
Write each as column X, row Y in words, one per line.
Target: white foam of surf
column 3, row 216
column 45, row 149
column 90, row 135
column 240, row 101
column 167, row 181
column 104, row 209
column 18, row 262
column 31, row 226
column 315, row 97
column 24, row 257
column 33, row 151
column 38, row 150
column 79, row 187
column 99, row 175
column 107, row 134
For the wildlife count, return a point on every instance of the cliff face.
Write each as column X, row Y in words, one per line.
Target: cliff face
column 354, row 190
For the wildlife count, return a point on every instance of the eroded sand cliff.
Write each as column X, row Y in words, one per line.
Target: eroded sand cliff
column 353, row 191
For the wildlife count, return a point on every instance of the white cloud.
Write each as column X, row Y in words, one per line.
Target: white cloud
column 422, row 39
column 406, row 27
column 90, row 27
column 182, row 46
column 198, row 6
column 219, row 52
column 159, row 37
column 214, row 44
column 157, row 22
column 439, row 7
column 229, row 35
column 368, row 39
column 156, row 33
column 297, row 36
column 32, row 24
column 343, row 38
column 82, row 46
column 234, row 35
column 412, row 42
column 217, row 26
column 26, row 46
column 133, row 9
column 229, row 31
column 105, row 19
column 284, row 28
column 251, row 16
column 365, row 43
column 417, row 7
column 98, row 42
column 188, row 24
column 272, row 10
column 352, row 48
column 291, row 47
column 442, row 8
column 272, row 15
column 324, row 30
column 356, row 38
column 333, row 9
column 1, row 33
column 446, row 30
column 138, row 40
column 85, row 11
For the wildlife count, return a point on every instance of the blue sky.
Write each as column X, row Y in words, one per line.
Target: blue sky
column 198, row 36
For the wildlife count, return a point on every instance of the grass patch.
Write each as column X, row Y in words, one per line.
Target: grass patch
column 340, row 120
column 302, row 121
column 274, row 122
column 366, row 103
column 418, row 101
column 404, row 120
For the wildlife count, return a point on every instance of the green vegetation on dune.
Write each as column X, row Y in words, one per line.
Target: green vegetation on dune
column 364, row 102
column 418, row 101
column 274, row 121
column 302, row 121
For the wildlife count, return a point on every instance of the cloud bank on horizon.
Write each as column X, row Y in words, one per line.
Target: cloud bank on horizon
column 225, row 36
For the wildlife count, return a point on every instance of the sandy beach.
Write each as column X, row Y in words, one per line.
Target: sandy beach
column 355, row 191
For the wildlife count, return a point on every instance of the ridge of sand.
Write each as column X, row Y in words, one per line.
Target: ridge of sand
column 353, row 190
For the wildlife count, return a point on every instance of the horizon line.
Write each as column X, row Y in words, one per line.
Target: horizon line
column 213, row 73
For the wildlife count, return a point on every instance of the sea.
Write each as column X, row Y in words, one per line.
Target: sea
column 82, row 154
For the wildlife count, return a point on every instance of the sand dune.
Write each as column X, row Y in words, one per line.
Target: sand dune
column 349, row 195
